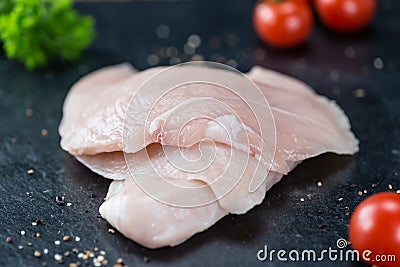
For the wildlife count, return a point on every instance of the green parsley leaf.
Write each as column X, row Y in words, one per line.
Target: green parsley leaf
column 38, row 31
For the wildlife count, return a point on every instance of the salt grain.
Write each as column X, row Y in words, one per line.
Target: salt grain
column 162, row 31
column 349, row 52
column 58, row 257
column 194, row 40
column 152, row 60
column 378, row 63
column 334, row 75
column 232, row 63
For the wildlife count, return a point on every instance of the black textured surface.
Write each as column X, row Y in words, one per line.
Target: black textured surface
column 126, row 32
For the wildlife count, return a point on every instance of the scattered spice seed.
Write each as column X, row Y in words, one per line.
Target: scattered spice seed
column 340, row 199
column 349, row 52
column 111, row 231
column 45, row 251
column 20, row 247
column 365, row 191
column 66, row 238
column 102, row 253
column 58, row 257
column 36, row 222
column 67, row 253
column 360, row 193
column 77, row 238
column 398, row 191
column 100, row 258
column 260, row 54
column 98, row 215
column 96, row 249
column 37, row 254
column 44, row 132
column 36, row 234
column 57, row 242
column 75, row 251
column 378, row 63
column 309, row 196
column 120, row 261
column 360, row 93
column 374, row 185
column 73, row 264
column 302, row 199
column 104, row 262
column 69, row 204
column 8, row 239
column 60, row 200
column 390, row 187
column 29, row 244
column 22, row 232
column 31, row 172
column 319, row 184
column 28, row 112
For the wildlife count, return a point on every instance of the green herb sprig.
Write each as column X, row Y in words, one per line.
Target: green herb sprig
column 37, row 32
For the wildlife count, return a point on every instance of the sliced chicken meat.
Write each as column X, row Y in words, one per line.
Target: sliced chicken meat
column 183, row 158
column 143, row 215
column 320, row 124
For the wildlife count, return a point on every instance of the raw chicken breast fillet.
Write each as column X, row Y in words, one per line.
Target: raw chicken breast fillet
column 319, row 125
column 174, row 178
column 154, row 224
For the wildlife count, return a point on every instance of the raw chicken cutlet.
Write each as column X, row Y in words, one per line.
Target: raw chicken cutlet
column 319, row 124
column 153, row 224
column 122, row 132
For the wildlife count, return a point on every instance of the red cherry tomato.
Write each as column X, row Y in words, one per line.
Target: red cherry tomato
column 375, row 227
column 283, row 23
column 346, row 15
